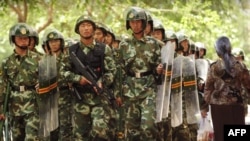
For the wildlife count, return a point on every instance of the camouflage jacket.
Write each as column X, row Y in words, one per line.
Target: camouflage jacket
column 21, row 73
column 223, row 88
column 140, row 56
column 68, row 75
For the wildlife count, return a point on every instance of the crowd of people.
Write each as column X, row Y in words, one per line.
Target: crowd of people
column 155, row 85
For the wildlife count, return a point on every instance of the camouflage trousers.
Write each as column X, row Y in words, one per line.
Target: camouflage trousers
column 91, row 122
column 65, row 116
column 140, row 120
column 185, row 132
column 165, row 130
column 25, row 128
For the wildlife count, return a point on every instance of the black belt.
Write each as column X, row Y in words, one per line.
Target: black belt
column 139, row 74
column 64, row 88
column 23, row 88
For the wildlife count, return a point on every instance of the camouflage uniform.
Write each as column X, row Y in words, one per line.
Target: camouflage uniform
column 117, row 89
column 35, row 37
column 22, row 74
column 226, row 81
column 139, row 93
column 140, row 58
column 185, row 131
column 91, row 115
column 64, row 132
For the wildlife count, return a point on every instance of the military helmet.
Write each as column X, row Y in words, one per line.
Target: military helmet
column 34, row 34
column 81, row 19
column 136, row 13
column 170, row 35
column 194, row 48
column 102, row 27
column 182, row 37
column 201, row 46
column 150, row 20
column 110, row 31
column 238, row 52
column 159, row 26
column 54, row 35
column 19, row 29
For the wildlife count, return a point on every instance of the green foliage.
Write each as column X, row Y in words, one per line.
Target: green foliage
column 201, row 20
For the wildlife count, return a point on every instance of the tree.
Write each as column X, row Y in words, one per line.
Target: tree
column 202, row 20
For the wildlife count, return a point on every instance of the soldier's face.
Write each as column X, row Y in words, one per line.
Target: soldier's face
column 108, row 39
column 32, row 44
column 55, row 45
column 185, row 45
column 148, row 29
column 22, row 41
column 99, row 36
column 136, row 26
column 158, row 34
column 86, row 29
column 201, row 52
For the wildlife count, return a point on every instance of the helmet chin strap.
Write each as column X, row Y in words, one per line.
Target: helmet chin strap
column 22, row 47
column 139, row 32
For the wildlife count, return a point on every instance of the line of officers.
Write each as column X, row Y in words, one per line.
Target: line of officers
column 130, row 67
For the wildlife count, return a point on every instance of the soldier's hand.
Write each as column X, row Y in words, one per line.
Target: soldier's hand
column 118, row 101
column 159, row 69
column 83, row 81
column 99, row 85
column 37, row 87
column 2, row 117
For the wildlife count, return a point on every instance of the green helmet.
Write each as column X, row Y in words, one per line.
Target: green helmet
column 194, row 48
column 34, row 35
column 170, row 35
column 159, row 26
column 238, row 52
column 19, row 29
column 82, row 19
column 150, row 20
column 102, row 27
column 110, row 31
column 54, row 35
column 136, row 13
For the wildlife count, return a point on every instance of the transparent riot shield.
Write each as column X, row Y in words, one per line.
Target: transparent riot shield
column 163, row 93
column 48, row 95
column 176, row 92
column 202, row 66
column 190, row 90
column 7, row 133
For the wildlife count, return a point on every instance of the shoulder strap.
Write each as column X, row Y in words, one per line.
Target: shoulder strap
column 101, row 47
column 79, row 53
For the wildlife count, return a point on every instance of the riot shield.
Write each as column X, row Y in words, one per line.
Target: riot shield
column 202, row 66
column 190, row 90
column 48, row 95
column 163, row 93
column 7, row 133
column 176, row 92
